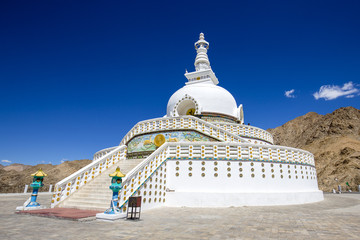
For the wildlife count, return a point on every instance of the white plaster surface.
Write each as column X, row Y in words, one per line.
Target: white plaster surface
column 247, row 183
column 210, row 97
column 110, row 217
column 221, row 199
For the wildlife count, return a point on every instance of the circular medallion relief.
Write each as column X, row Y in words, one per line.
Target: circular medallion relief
column 159, row 140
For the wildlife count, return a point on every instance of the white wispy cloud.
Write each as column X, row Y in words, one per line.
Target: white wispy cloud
column 290, row 93
column 331, row 92
column 63, row 160
column 6, row 161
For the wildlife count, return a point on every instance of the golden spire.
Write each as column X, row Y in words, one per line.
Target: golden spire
column 117, row 173
column 39, row 173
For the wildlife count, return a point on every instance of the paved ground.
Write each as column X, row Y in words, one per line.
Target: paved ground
column 65, row 213
column 337, row 217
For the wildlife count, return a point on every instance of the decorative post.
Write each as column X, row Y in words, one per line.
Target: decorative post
column 113, row 213
column 115, row 188
column 37, row 183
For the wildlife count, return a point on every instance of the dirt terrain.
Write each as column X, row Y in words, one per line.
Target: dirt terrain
column 334, row 139
column 14, row 177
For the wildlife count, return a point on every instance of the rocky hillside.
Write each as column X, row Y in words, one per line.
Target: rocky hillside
column 14, row 177
column 16, row 167
column 334, row 139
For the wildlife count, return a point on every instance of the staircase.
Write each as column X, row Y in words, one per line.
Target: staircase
column 96, row 194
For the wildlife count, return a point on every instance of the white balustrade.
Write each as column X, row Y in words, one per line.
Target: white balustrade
column 181, row 123
column 73, row 183
column 141, row 173
column 102, row 152
column 247, row 131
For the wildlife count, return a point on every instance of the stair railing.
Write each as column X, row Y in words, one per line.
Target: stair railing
column 142, row 172
column 102, row 152
column 75, row 181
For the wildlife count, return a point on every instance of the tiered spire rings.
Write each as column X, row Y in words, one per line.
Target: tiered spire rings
column 202, row 60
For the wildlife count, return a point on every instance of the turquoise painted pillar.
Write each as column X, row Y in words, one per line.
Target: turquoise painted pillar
column 36, row 184
column 115, row 187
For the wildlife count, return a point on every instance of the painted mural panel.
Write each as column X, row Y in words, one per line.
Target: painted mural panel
column 150, row 142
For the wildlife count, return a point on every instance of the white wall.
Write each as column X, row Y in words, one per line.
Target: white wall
column 265, row 177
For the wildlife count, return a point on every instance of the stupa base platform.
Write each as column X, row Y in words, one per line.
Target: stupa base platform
column 22, row 208
column 110, row 217
column 223, row 199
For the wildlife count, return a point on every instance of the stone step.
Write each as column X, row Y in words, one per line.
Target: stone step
column 87, row 196
column 85, row 205
column 103, row 199
column 75, row 202
column 99, row 185
column 96, row 193
column 96, row 184
column 100, row 181
column 88, row 200
column 95, row 189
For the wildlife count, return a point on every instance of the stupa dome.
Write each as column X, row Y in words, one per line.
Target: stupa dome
column 203, row 97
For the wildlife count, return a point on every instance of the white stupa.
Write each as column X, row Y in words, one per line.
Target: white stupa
column 199, row 155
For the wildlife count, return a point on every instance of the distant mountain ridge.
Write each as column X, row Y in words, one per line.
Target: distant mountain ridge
column 334, row 139
column 16, row 167
column 14, row 177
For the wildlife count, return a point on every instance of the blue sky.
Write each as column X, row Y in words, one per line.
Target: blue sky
column 77, row 75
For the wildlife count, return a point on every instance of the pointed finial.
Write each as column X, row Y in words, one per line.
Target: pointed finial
column 201, row 42
column 39, row 173
column 117, row 173
column 202, row 60
column 201, row 36
column 186, row 71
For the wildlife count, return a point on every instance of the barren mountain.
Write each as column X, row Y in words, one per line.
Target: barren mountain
column 334, row 139
column 14, row 179
column 16, row 167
